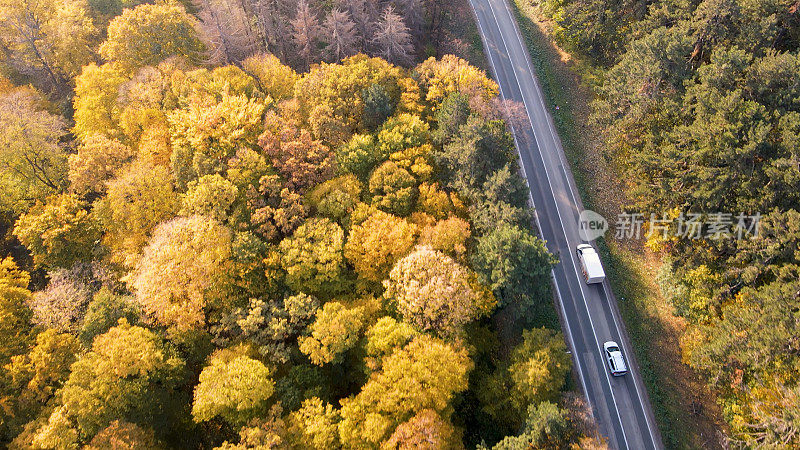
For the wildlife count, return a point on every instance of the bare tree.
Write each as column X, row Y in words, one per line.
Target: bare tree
column 393, row 39
column 228, row 31
column 306, row 33
column 364, row 14
column 340, row 34
column 414, row 16
column 270, row 18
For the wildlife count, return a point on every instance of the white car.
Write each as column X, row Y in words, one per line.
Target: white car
column 591, row 267
column 616, row 363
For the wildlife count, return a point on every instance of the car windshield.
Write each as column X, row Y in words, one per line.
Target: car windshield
column 613, row 349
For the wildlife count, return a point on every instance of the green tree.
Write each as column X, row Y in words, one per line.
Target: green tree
column 181, row 277
column 546, row 426
column 358, row 156
column 59, row 232
column 515, row 265
column 377, row 106
column 148, row 34
column 104, row 311
column 435, row 293
column 313, row 258
column 335, row 330
column 232, row 387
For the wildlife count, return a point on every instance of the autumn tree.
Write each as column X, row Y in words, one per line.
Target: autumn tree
column 182, row 273
column 121, row 435
column 34, row 377
column 15, row 326
column 233, row 387
column 392, row 38
column 336, row 198
column 95, row 102
column 275, row 210
column 313, row 258
column 439, row 78
column 425, row 429
column 140, row 198
column 435, row 293
column 47, row 40
column 358, row 156
column 393, row 188
column 313, row 426
column 111, row 382
column 383, row 338
column 211, row 196
column 424, row 375
column 62, row 303
column 274, row 78
column 335, row 330
column 98, row 160
column 148, row 34
column 448, row 236
column 375, row 245
column 32, row 156
column 59, row 232
column 271, row 327
column 207, row 134
column 303, row 161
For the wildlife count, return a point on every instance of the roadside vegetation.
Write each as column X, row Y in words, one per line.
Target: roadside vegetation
column 677, row 109
column 231, row 227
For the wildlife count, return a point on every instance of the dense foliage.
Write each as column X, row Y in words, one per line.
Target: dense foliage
column 216, row 251
column 700, row 109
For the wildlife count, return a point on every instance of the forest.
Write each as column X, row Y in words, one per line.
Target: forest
column 267, row 224
column 699, row 106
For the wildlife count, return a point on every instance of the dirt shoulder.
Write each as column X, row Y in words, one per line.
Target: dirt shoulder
column 687, row 413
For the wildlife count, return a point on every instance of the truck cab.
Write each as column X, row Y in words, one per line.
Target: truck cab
column 591, row 267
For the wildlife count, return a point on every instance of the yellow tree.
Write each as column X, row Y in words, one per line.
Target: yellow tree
column 148, row 34
column 32, row 158
column 436, row 293
column 376, row 244
column 335, row 330
column 424, row 375
column 96, row 108
column 313, row 258
column 140, row 198
column 49, row 39
column 59, row 232
column 182, row 272
column 439, row 78
column 99, row 158
column 233, row 387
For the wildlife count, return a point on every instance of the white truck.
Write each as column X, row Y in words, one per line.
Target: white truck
column 590, row 264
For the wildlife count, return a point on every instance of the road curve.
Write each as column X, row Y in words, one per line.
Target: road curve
column 589, row 313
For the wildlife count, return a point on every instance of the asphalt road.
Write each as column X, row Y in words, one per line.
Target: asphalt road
column 589, row 313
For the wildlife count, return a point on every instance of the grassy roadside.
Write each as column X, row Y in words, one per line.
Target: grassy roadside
column 686, row 414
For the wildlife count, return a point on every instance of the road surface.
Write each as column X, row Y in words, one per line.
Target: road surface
column 589, row 312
